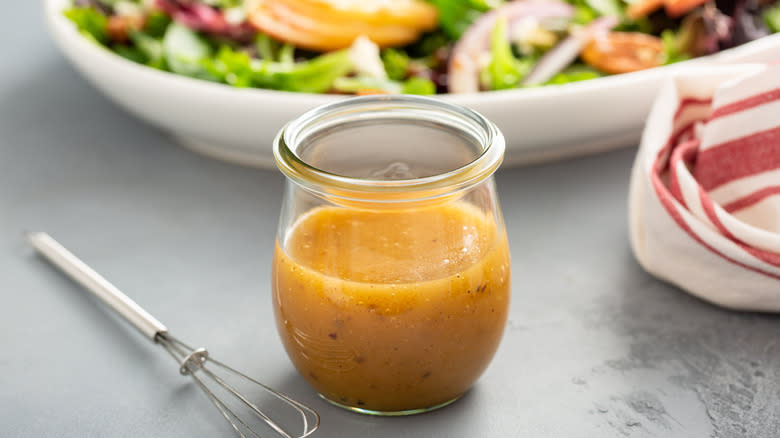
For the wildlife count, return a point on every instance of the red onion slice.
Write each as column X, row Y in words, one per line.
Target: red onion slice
column 562, row 55
column 464, row 63
column 203, row 18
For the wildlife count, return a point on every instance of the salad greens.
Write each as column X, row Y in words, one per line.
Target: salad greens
column 237, row 68
column 217, row 40
column 588, row 10
column 772, row 17
column 606, row 7
column 455, row 16
column 504, row 70
column 575, row 73
column 396, row 63
column 90, row 22
column 186, row 52
column 673, row 50
column 156, row 24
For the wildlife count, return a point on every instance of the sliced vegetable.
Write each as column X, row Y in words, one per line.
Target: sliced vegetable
column 321, row 24
column 463, row 68
column 624, row 52
column 416, row 46
column 408, row 13
column 201, row 17
column 562, row 55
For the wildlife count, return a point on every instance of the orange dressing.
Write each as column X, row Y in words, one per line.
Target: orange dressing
column 392, row 310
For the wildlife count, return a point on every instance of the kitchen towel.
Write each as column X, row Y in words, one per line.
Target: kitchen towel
column 704, row 200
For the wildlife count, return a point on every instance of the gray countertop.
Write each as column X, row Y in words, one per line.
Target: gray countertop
column 595, row 347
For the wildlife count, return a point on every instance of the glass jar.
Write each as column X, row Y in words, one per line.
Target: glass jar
column 391, row 272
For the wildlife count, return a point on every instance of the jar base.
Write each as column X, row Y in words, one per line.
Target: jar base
column 391, row 413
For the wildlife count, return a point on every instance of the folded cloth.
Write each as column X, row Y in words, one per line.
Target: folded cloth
column 704, row 203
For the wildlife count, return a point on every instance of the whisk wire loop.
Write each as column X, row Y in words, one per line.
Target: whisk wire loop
column 223, row 409
column 194, row 360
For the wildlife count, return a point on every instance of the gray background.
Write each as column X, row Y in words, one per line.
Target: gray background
column 595, row 347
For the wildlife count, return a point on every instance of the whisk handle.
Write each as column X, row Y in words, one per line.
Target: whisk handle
column 95, row 283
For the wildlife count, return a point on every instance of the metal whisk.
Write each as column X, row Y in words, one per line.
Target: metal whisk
column 193, row 362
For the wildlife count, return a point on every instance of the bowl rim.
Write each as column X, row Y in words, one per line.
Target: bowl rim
column 61, row 27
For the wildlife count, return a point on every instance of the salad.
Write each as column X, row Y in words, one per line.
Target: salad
column 416, row 46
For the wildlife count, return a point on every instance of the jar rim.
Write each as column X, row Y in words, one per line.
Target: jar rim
column 482, row 166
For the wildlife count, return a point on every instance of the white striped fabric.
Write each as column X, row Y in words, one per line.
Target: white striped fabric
column 704, row 207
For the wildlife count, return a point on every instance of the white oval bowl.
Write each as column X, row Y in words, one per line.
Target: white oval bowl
column 239, row 124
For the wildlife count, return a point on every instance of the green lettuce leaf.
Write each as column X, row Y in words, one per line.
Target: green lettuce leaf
column 414, row 85
column 151, row 49
column 396, row 63
column 90, row 22
column 316, row 75
column 455, row 16
column 156, row 24
column 185, row 52
column 504, row 71
column 574, row 73
column 772, row 17
column 231, row 67
column 673, row 51
column 418, row 85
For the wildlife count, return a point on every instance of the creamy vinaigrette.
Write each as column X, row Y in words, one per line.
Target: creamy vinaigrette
column 392, row 310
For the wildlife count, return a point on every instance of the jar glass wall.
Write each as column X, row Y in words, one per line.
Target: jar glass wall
column 391, row 273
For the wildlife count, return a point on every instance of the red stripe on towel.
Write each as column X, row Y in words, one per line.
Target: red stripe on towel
column 746, row 104
column 751, row 199
column 670, row 144
column 686, row 152
column 688, row 101
column 709, row 208
column 738, row 158
column 667, row 201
